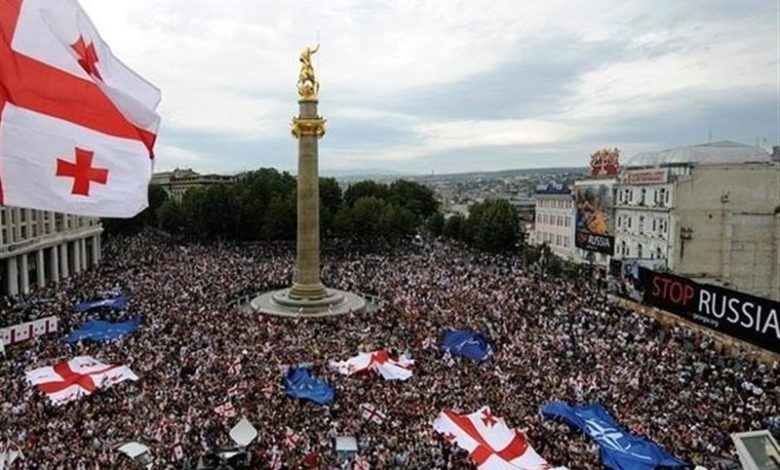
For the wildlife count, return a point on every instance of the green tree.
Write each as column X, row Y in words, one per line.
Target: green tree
column 330, row 202
column 435, row 223
column 363, row 189
column 493, row 225
column 414, row 196
column 171, row 217
column 455, row 227
column 280, row 219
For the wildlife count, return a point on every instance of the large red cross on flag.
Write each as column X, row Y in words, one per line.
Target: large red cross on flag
column 82, row 375
column 77, row 126
column 492, row 445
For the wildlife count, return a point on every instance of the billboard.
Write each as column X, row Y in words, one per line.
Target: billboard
column 594, row 225
column 742, row 316
column 652, row 176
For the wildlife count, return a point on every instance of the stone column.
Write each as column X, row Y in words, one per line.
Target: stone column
column 40, row 268
column 54, row 265
column 83, row 249
column 12, row 282
column 64, row 260
column 308, row 127
column 76, row 257
column 96, row 250
column 24, row 271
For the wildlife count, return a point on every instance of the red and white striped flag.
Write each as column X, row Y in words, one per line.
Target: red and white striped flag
column 77, row 126
column 82, row 375
column 372, row 413
column 226, row 410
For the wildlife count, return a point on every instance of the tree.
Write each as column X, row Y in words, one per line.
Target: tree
column 280, row 219
column 493, row 225
column 330, row 202
column 436, row 223
column 455, row 227
column 171, row 217
column 363, row 189
column 414, row 196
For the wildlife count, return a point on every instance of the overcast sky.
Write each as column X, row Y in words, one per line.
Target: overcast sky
column 448, row 86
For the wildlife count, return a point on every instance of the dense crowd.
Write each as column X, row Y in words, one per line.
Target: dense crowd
column 557, row 339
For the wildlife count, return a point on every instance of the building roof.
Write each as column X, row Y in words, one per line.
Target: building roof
column 717, row 152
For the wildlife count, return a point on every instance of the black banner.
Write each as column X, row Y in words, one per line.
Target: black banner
column 736, row 314
column 592, row 242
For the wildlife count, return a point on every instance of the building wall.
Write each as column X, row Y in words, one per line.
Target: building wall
column 729, row 215
column 554, row 223
column 40, row 247
column 643, row 221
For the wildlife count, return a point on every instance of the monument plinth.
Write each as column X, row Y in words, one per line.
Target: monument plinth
column 308, row 296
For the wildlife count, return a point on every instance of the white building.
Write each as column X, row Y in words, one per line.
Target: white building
column 39, row 247
column 554, row 220
column 710, row 212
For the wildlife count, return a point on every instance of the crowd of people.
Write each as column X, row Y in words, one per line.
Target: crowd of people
column 556, row 339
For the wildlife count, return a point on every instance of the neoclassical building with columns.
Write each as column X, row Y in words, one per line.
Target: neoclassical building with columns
column 41, row 247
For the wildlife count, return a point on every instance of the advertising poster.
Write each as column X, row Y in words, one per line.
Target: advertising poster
column 595, row 229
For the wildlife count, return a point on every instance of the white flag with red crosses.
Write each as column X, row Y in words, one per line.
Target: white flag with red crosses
column 77, row 126
column 491, row 444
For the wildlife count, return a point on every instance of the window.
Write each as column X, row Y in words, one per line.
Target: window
column 654, row 225
column 628, row 221
column 619, row 221
column 641, row 224
column 658, row 253
column 566, row 241
column 642, row 197
column 558, row 240
column 639, row 250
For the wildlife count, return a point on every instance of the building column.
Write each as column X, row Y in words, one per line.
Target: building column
column 40, row 269
column 24, row 271
column 64, row 260
column 12, row 282
column 76, row 257
column 54, row 265
column 83, row 250
column 96, row 250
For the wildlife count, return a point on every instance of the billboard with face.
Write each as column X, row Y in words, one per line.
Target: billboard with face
column 594, row 227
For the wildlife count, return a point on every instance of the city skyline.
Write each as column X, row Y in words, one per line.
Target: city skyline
column 449, row 87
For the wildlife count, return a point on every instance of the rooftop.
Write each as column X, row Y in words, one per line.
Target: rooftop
column 714, row 153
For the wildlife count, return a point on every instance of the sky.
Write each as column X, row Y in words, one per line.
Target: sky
column 415, row 86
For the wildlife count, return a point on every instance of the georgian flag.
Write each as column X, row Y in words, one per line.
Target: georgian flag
column 226, row 410
column 77, row 127
column 491, row 444
column 372, row 413
column 82, row 375
column 389, row 367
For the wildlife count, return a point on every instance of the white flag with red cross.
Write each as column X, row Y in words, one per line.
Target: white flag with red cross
column 226, row 410
column 388, row 366
column 491, row 444
column 82, row 375
column 77, row 126
column 372, row 413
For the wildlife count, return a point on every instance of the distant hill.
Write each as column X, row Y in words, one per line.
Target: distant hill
column 383, row 174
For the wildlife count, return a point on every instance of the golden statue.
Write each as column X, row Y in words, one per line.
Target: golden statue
column 308, row 86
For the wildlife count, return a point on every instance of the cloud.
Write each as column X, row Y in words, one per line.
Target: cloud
column 406, row 83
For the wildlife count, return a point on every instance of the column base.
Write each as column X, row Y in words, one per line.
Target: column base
column 282, row 303
column 312, row 292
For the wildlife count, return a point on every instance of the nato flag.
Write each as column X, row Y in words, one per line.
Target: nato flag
column 620, row 450
column 300, row 384
column 468, row 344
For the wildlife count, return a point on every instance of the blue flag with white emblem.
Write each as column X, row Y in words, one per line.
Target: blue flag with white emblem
column 468, row 344
column 300, row 384
column 620, row 450
column 118, row 302
column 99, row 330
